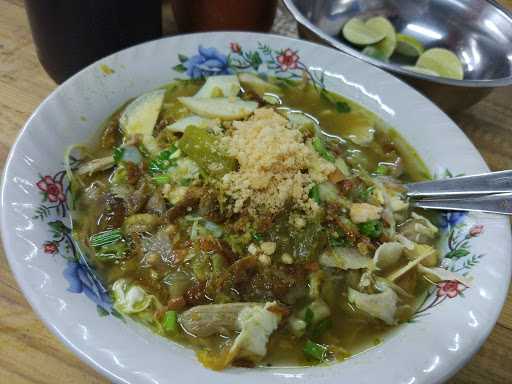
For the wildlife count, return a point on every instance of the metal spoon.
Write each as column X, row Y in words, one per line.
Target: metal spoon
column 488, row 192
column 497, row 203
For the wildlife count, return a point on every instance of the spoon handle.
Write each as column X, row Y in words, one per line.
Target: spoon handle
column 499, row 203
column 483, row 184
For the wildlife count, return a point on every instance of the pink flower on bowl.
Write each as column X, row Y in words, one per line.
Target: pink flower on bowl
column 476, row 230
column 50, row 247
column 449, row 288
column 288, row 59
column 235, row 47
column 52, row 188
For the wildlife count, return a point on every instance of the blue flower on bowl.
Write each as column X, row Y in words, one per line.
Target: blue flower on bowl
column 450, row 219
column 81, row 280
column 208, row 62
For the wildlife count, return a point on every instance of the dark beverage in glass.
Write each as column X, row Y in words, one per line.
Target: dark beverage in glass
column 223, row 15
column 71, row 34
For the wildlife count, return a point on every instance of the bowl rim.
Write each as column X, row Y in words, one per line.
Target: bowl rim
column 97, row 364
column 396, row 69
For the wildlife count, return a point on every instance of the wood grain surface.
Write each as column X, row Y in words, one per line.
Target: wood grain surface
column 29, row 353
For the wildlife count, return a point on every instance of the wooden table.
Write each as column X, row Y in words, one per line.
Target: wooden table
column 29, row 353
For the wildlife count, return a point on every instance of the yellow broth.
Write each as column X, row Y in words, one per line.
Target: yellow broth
column 352, row 331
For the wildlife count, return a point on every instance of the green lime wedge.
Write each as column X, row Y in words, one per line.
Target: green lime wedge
column 442, row 61
column 408, row 46
column 374, row 52
column 383, row 49
column 357, row 32
column 423, row 71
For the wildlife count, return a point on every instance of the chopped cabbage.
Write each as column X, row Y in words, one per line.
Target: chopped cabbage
column 418, row 229
column 387, row 214
column 207, row 320
column 319, row 309
column 408, row 244
column 141, row 222
column 297, row 326
column 367, row 280
column 186, row 169
column 382, row 305
column 426, row 222
column 344, row 258
column 382, row 282
column 329, row 193
column 428, row 254
column 96, row 165
column 440, row 274
column 130, row 298
column 406, row 268
column 256, row 324
column 175, row 194
column 397, row 204
column 387, row 255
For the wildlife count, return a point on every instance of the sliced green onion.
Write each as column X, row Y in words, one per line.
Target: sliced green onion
column 111, row 252
column 315, row 351
column 309, row 317
column 143, row 150
column 319, row 146
column 338, row 239
column 365, row 193
column 372, row 229
column 170, row 322
column 185, row 182
column 382, row 170
column 162, row 179
column 163, row 161
column 314, row 194
column 117, row 154
column 320, row 328
column 106, row 237
column 257, row 236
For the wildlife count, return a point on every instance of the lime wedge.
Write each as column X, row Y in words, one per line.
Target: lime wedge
column 383, row 49
column 357, row 32
column 408, row 46
column 442, row 61
column 423, row 71
column 374, row 52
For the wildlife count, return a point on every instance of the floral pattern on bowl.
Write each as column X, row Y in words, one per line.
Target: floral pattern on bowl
column 78, row 272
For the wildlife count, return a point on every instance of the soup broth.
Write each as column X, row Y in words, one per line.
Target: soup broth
column 169, row 232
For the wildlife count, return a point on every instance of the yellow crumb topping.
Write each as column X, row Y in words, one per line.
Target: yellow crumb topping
column 276, row 166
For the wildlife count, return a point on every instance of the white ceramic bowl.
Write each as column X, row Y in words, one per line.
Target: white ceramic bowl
column 450, row 326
